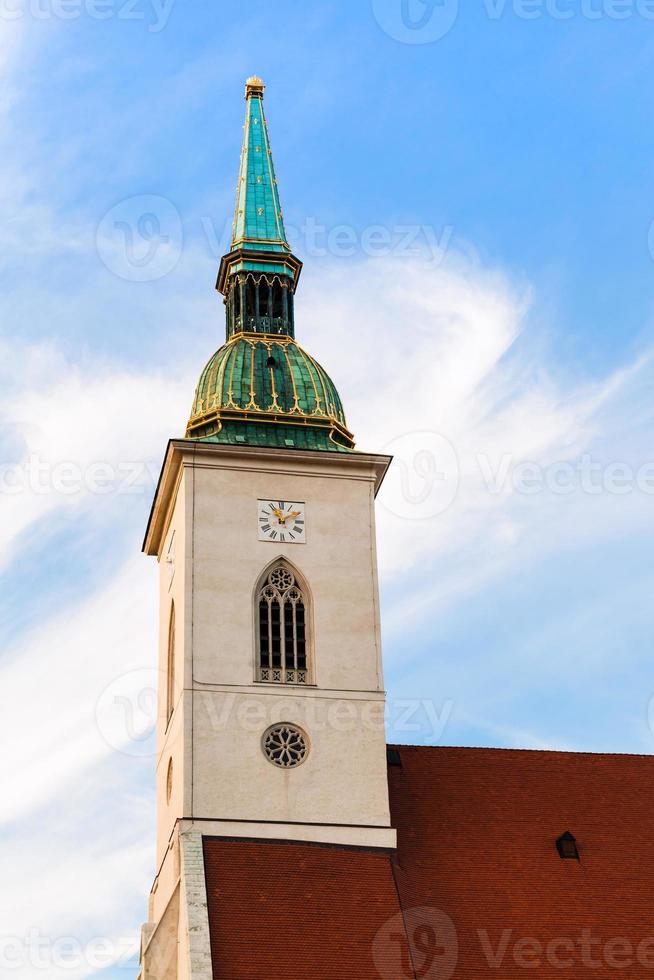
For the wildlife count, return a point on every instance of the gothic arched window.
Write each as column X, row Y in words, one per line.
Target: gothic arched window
column 170, row 670
column 282, row 628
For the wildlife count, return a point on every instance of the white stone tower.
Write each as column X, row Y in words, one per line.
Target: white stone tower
column 271, row 696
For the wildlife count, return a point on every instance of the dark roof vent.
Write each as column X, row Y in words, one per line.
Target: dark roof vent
column 393, row 757
column 566, row 845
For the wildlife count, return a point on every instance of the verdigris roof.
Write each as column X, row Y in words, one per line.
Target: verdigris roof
column 261, row 388
column 258, row 219
column 266, row 390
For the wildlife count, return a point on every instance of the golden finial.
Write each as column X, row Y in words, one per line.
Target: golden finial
column 254, row 86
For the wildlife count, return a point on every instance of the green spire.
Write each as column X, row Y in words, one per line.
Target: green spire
column 258, row 220
column 258, row 276
column 261, row 388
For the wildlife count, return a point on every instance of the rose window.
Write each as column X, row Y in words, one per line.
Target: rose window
column 285, row 746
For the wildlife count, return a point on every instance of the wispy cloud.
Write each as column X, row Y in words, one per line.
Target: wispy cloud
column 79, row 435
column 503, row 454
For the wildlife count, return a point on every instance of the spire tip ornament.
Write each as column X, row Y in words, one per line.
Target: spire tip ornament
column 254, row 86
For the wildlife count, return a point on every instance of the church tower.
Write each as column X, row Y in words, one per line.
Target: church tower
column 271, row 703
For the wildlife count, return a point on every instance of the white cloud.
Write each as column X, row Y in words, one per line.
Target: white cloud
column 52, row 680
column 75, row 880
column 78, row 832
column 79, row 433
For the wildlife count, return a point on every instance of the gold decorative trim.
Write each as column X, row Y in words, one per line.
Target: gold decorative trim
column 268, row 241
column 221, row 377
column 319, row 371
column 252, row 403
column 319, row 410
column 230, row 389
column 269, row 418
column 296, row 410
column 274, row 406
column 267, row 338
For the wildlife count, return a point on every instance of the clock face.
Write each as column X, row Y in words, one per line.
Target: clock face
column 282, row 521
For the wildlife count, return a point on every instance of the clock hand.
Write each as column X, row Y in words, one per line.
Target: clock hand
column 280, row 516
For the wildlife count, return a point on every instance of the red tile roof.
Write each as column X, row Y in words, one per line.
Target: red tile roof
column 476, row 839
column 296, row 912
column 483, row 891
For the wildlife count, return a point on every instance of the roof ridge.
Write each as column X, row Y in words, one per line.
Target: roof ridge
column 495, row 748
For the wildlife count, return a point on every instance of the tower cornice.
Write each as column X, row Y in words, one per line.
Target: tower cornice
column 180, row 453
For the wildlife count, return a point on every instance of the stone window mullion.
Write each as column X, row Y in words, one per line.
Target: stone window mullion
column 282, row 640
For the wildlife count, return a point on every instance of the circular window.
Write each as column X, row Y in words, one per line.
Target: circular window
column 281, row 578
column 285, row 746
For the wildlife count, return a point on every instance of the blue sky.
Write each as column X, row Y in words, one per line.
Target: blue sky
column 503, row 328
